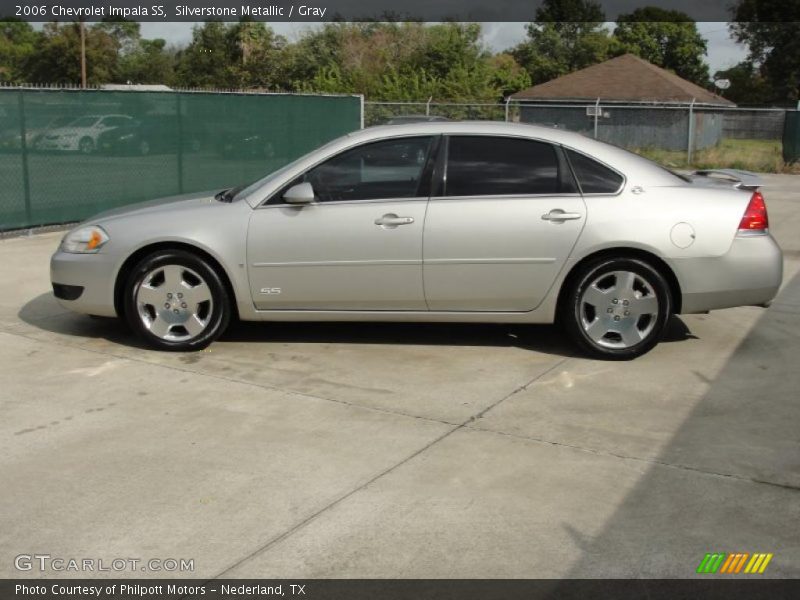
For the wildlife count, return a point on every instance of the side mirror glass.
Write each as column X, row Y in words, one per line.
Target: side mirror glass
column 302, row 193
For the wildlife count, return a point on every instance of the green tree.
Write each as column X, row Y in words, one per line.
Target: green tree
column 748, row 86
column 447, row 47
column 17, row 44
column 56, row 56
column 771, row 30
column 567, row 35
column 124, row 32
column 396, row 61
column 666, row 38
column 507, row 75
column 240, row 55
column 256, row 50
column 208, row 60
column 151, row 61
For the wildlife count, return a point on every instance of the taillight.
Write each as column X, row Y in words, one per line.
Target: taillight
column 755, row 216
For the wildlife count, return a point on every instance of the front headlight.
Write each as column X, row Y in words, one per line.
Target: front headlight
column 86, row 240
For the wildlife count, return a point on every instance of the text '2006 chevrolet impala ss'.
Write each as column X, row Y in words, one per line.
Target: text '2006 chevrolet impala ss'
column 449, row 222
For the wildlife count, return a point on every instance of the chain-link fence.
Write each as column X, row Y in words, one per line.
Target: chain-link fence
column 67, row 154
column 676, row 135
column 381, row 113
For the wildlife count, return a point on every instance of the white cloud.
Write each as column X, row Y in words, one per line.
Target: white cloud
column 723, row 52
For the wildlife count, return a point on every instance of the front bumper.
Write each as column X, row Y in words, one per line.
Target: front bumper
column 64, row 145
column 93, row 273
column 749, row 274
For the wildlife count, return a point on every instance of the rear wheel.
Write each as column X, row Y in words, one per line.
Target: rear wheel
column 617, row 308
column 175, row 300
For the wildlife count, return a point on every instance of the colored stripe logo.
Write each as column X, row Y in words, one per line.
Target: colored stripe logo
column 734, row 563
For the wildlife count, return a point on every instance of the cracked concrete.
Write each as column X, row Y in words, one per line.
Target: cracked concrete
column 399, row 450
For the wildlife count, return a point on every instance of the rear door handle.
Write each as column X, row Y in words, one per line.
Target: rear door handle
column 557, row 215
column 391, row 220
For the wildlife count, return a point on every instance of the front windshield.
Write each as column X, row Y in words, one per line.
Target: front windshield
column 256, row 185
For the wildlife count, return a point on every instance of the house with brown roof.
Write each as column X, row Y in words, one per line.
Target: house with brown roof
column 629, row 102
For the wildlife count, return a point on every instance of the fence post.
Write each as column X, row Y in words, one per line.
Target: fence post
column 428, row 107
column 690, row 141
column 362, row 110
column 596, row 110
column 23, row 146
column 180, row 141
column 508, row 99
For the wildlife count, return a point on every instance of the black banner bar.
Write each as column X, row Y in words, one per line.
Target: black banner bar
column 339, row 10
column 711, row 588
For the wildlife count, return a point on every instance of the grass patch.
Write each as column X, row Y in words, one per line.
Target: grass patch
column 762, row 156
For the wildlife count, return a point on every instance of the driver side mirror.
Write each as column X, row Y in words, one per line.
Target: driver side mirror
column 302, row 193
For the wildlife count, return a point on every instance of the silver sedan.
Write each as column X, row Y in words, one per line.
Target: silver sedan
column 448, row 222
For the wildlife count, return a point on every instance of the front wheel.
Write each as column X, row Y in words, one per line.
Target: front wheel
column 176, row 301
column 617, row 308
column 86, row 145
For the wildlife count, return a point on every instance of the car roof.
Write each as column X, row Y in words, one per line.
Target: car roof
column 476, row 127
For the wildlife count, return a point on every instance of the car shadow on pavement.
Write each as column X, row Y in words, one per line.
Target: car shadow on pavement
column 728, row 480
column 44, row 313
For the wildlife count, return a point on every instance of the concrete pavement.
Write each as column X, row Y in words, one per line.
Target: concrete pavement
column 399, row 450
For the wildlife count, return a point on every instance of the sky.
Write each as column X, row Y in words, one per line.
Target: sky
column 723, row 52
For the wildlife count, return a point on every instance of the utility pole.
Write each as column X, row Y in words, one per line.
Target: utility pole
column 83, row 52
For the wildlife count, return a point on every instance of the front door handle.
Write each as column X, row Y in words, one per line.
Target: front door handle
column 391, row 220
column 558, row 216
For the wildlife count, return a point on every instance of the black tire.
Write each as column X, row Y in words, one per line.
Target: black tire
column 86, row 145
column 218, row 309
column 576, row 314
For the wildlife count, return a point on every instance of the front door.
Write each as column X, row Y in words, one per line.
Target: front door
column 358, row 246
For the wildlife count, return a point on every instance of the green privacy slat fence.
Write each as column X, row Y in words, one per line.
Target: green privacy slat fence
column 66, row 154
column 791, row 137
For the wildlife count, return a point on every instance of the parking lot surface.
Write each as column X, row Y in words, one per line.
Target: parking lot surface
column 399, row 450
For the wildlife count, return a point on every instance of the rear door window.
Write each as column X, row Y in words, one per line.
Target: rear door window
column 488, row 166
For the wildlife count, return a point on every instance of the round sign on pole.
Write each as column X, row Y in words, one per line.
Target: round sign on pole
column 723, row 84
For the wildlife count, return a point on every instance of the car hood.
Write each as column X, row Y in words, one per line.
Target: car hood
column 172, row 203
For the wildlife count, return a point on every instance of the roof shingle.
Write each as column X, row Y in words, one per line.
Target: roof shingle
column 626, row 78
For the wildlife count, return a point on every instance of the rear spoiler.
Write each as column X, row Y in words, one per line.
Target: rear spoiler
column 742, row 179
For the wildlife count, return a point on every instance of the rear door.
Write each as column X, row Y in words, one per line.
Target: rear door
column 505, row 221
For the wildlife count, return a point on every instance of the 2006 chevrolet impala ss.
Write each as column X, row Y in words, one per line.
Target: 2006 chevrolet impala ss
column 469, row 222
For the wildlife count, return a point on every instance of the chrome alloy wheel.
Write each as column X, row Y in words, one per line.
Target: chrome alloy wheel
column 174, row 303
column 618, row 309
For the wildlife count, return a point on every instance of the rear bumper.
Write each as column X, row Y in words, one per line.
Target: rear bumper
column 749, row 274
